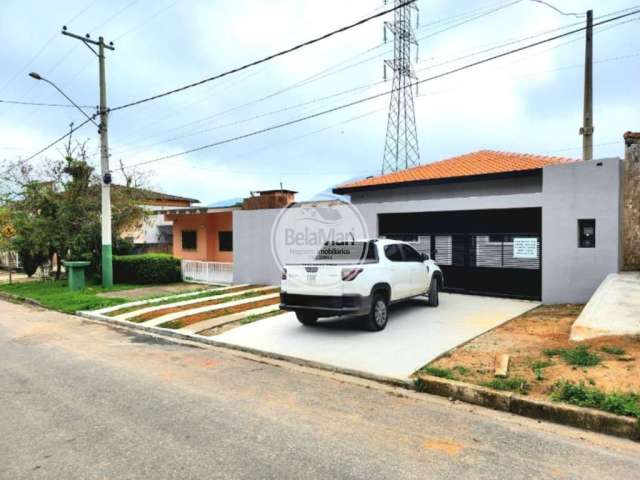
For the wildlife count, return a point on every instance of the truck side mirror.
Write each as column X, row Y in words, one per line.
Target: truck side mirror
column 424, row 257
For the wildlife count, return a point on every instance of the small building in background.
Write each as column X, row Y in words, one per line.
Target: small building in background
column 155, row 233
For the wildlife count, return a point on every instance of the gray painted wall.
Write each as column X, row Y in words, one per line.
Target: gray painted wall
column 252, row 258
column 575, row 191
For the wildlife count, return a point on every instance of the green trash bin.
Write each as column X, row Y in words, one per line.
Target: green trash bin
column 75, row 273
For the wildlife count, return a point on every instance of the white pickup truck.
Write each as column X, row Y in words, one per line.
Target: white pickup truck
column 359, row 278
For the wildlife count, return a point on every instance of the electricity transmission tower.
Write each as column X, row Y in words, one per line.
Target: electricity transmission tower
column 401, row 143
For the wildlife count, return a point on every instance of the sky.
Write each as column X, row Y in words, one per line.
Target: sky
column 529, row 102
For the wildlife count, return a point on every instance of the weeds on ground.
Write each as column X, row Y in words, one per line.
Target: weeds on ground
column 438, row 372
column 538, row 368
column 259, row 316
column 461, row 369
column 516, row 384
column 579, row 394
column 613, row 350
column 173, row 325
column 580, row 356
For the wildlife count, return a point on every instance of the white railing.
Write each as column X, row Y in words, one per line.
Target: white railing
column 207, row 272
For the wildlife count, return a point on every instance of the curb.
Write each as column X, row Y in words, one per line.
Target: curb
column 17, row 298
column 573, row 416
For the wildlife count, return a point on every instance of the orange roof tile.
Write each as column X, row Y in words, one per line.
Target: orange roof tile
column 483, row 162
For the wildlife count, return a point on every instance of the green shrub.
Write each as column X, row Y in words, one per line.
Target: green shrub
column 146, row 268
column 583, row 396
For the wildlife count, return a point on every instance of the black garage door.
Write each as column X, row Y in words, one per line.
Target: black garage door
column 490, row 252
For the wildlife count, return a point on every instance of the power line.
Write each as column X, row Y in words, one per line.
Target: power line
column 44, row 47
column 372, row 97
column 268, row 58
column 38, row 104
column 332, row 70
column 561, row 12
column 59, row 139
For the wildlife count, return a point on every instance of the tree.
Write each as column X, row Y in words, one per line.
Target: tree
column 56, row 210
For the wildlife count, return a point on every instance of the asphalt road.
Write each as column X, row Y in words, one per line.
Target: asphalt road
column 79, row 400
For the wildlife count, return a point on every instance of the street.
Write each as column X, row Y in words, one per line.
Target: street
column 80, row 400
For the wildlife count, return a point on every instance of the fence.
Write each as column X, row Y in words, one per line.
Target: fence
column 207, row 272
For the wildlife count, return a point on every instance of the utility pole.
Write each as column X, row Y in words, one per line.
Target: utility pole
column 107, row 254
column 587, row 126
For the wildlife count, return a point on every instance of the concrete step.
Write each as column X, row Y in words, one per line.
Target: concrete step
column 233, row 317
column 155, row 308
column 151, row 301
column 154, row 322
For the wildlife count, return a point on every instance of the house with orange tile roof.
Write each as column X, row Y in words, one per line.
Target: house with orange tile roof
column 506, row 224
column 498, row 223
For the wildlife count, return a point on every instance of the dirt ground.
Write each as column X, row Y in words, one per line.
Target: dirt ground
column 525, row 339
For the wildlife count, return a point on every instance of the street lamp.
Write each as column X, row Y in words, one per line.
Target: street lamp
column 37, row 76
column 107, row 258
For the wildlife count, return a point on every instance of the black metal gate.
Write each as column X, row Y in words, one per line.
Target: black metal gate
column 507, row 263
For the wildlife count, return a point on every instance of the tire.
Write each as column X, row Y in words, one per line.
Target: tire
column 433, row 293
column 307, row 319
column 378, row 316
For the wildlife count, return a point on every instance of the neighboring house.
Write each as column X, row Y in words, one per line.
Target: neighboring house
column 155, row 234
column 203, row 237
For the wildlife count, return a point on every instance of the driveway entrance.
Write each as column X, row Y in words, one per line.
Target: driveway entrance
column 416, row 334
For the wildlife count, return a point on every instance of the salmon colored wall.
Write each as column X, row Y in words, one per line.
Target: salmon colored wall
column 207, row 226
column 217, row 222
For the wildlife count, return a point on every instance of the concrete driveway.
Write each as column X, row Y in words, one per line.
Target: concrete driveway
column 416, row 334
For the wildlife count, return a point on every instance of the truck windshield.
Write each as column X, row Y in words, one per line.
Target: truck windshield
column 347, row 252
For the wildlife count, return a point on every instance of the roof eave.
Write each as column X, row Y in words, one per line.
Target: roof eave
column 485, row 176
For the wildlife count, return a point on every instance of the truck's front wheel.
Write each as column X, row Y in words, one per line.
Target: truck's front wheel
column 306, row 318
column 379, row 315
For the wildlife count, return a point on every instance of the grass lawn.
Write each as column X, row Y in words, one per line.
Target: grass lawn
column 56, row 295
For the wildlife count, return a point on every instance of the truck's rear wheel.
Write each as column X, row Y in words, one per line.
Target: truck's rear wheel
column 434, row 299
column 306, row 318
column 378, row 315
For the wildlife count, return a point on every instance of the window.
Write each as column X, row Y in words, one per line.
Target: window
column 189, row 240
column 393, row 252
column 225, row 241
column 410, row 254
column 586, row 233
